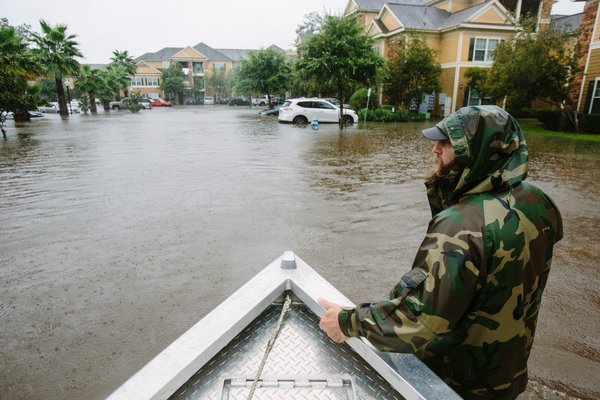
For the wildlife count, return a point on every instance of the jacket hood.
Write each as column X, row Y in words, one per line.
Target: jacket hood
column 490, row 153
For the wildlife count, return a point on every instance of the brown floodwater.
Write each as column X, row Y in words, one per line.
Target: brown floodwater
column 120, row 231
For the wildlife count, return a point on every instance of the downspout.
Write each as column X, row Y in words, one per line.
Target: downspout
column 518, row 9
column 587, row 60
column 457, row 71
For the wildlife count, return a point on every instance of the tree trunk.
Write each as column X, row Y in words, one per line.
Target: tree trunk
column 62, row 102
column 93, row 107
column 106, row 105
column 3, row 131
column 21, row 115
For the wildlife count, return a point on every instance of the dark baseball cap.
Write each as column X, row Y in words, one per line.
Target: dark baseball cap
column 434, row 133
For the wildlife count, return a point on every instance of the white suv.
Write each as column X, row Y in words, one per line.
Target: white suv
column 304, row 110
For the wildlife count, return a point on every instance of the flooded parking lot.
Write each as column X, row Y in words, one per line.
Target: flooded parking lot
column 120, row 231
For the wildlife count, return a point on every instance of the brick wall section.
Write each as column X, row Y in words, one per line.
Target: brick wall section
column 584, row 38
column 545, row 14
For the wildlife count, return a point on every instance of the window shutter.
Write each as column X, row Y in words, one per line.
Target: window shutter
column 466, row 96
column 471, row 48
column 588, row 98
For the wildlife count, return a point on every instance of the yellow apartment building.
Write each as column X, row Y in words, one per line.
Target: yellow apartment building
column 463, row 34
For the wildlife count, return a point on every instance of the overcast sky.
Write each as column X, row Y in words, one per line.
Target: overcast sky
column 141, row 26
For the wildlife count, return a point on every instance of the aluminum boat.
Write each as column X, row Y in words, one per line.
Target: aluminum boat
column 264, row 342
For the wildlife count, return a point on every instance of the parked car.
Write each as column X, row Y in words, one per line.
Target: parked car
column 239, row 101
column 32, row 114
column 336, row 102
column 51, row 108
column 158, row 102
column 209, row 100
column 270, row 111
column 303, row 110
column 119, row 104
column 73, row 107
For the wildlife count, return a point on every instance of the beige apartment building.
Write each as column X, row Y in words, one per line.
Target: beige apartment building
column 197, row 63
column 463, row 33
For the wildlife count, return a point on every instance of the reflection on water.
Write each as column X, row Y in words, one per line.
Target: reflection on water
column 119, row 231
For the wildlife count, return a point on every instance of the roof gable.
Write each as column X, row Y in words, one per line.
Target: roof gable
column 143, row 68
column 210, row 53
column 188, row 53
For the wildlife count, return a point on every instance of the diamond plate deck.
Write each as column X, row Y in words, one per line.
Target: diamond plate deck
column 301, row 353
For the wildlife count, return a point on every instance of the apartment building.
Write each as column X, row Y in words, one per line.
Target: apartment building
column 196, row 63
column 463, row 33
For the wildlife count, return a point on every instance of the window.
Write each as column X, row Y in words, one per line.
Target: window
column 218, row 66
column 594, row 107
column 198, row 67
column 482, row 49
column 152, row 81
column 325, row 106
column 137, row 81
column 474, row 99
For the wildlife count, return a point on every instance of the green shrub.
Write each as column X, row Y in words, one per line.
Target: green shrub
column 135, row 102
column 555, row 120
column 589, row 123
column 384, row 115
column 84, row 103
column 358, row 100
column 524, row 112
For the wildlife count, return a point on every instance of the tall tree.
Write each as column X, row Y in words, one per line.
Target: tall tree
column 535, row 65
column 127, row 64
column 340, row 56
column 18, row 66
column 57, row 51
column 310, row 26
column 119, row 78
column 266, row 71
column 220, row 82
column 412, row 72
column 171, row 82
column 90, row 81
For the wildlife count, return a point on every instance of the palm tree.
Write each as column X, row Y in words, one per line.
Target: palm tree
column 119, row 77
column 126, row 63
column 56, row 52
column 90, row 82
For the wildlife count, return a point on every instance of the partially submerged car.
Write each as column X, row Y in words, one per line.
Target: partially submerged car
column 303, row 110
column 158, row 102
column 270, row 111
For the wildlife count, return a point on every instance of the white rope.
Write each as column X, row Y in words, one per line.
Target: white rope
column 284, row 310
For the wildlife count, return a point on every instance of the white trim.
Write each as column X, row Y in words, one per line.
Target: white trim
column 587, row 60
column 596, row 81
column 595, row 46
column 469, row 64
column 471, row 25
column 457, row 71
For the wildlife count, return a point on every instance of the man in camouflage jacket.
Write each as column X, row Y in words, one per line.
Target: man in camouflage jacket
column 468, row 307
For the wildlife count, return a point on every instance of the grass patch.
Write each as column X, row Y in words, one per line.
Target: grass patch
column 534, row 127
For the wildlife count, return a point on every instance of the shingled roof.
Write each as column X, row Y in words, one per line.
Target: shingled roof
column 429, row 17
column 164, row 54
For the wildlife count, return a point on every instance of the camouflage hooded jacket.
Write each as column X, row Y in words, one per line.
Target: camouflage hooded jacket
column 468, row 307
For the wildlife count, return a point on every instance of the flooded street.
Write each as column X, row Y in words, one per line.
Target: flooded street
column 120, row 231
